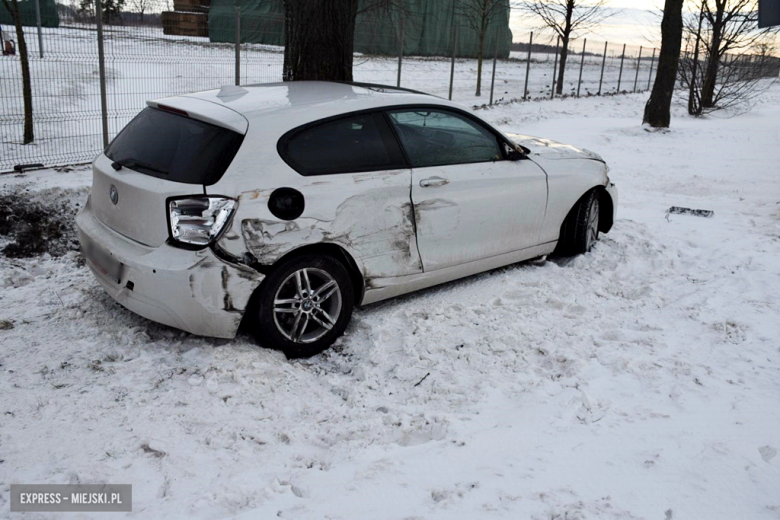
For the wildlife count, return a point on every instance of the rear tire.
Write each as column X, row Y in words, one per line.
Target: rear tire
column 302, row 306
column 580, row 230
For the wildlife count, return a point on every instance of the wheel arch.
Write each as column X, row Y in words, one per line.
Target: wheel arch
column 606, row 209
column 330, row 249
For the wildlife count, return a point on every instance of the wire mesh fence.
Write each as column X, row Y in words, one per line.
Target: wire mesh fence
column 166, row 52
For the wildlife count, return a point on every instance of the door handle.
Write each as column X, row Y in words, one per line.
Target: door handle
column 432, row 182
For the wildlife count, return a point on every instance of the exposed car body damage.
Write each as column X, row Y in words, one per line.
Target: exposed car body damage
column 376, row 219
column 192, row 290
column 375, row 226
column 399, row 229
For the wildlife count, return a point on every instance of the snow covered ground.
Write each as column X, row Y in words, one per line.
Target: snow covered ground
column 640, row 381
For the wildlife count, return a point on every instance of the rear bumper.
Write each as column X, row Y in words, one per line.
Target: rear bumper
column 195, row 291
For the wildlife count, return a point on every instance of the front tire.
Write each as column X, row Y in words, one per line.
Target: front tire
column 580, row 230
column 303, row 306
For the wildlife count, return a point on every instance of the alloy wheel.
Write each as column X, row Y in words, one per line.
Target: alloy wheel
column 307, row 305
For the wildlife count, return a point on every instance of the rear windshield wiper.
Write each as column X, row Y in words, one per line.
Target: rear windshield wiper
column 132, row 163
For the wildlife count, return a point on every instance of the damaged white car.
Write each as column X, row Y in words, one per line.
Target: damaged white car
column 284, row 206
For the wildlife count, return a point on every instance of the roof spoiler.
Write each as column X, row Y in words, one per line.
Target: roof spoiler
column 203, row 110
column 379, row 87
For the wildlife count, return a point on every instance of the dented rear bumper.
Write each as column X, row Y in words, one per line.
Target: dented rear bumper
column 191, row 290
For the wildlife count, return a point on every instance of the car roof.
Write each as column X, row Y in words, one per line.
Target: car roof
column 315, row 99
column 266, row 112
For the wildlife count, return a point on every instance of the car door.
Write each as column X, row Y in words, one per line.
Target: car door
column 470, row 201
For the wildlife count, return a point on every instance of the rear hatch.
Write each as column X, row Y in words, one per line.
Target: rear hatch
column 174, row 147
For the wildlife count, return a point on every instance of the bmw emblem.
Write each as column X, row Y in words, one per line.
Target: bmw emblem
column 114, row 194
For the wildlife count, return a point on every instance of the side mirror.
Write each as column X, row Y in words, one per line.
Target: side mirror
column 515, row 152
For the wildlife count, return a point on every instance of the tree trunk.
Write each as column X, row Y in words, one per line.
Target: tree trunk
column 565, row 38
column 562, row 70
column 694, row 104
column 319, row 40
column 711, row 72
column 657, row 110
column 479, row 62
column 28, row 135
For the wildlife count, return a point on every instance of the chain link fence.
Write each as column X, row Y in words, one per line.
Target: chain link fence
column 166, row 52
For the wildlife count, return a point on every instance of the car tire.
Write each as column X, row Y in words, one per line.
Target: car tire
column 580, row 229
column 292, row 314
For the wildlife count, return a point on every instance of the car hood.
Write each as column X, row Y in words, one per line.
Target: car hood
column 553, row 150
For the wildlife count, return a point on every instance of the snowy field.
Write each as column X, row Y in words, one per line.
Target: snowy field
column 640, row 381
column 143, row 64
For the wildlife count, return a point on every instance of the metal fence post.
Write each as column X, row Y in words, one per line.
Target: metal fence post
column 493, row 78
column 102, row 71
column 238, row 45
column 400, row 53
column 652, row 65
column 38, row 22
column 603, row 64
column 528, row 66
column 638, row 64
column 582, row 64
column 452, row 64
column 620, row 76
column 555, row 68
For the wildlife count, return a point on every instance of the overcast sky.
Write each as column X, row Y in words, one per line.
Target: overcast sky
column 635, row 22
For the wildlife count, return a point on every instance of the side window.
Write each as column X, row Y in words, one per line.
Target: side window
column 437, row 138
column 361, row 143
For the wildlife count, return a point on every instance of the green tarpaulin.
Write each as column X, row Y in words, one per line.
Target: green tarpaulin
column 427, row 27
column 49, row 15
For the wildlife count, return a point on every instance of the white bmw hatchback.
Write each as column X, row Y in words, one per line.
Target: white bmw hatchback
column 283, row 206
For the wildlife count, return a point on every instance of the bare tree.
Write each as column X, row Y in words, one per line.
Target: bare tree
column 13, row 8
column 567, row 19
column 479, row 15
column 730, row 26
column 319, row 39
column 111, row 10
column 658, row 108
column 738, row 78
column 688, row 75
column 141, row 6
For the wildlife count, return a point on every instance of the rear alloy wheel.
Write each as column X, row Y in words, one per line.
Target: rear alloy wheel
column 307, row 305
column 580, row 230
column 304, row 305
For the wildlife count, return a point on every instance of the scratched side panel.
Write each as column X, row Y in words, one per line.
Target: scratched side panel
column 368, row 214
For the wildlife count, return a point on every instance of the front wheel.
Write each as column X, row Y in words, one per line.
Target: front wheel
column 580, row 230
column 303, row 306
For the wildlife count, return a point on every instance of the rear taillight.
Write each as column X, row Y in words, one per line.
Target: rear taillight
column 199, row 220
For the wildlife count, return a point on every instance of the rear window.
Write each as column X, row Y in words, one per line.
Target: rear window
column 174, row 147
column 358, row 143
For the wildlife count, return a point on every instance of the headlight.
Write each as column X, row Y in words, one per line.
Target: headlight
column 198, row 221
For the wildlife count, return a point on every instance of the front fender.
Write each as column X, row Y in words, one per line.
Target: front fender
column 567, row 180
